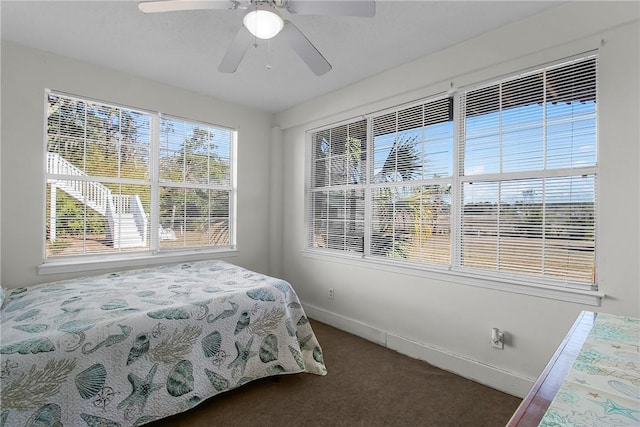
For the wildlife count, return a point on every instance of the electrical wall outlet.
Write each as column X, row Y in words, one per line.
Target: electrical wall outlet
column 330, row 293
column 497, row 338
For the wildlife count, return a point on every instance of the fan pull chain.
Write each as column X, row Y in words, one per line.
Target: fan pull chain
column 269, row 54
column 255, row 37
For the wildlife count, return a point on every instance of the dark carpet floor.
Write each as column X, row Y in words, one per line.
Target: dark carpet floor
column 367, row 385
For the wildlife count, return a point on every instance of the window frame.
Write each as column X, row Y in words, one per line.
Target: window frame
column 542, row 174
column 373, row 185
column 341, row 187
column 153, row 253
column 541, row 286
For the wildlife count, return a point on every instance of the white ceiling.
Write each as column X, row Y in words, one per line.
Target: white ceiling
column 184, row 49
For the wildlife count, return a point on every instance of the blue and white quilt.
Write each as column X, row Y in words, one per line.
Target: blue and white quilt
column 127, row 348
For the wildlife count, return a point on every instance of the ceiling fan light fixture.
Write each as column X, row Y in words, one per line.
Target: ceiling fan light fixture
column 263, row 22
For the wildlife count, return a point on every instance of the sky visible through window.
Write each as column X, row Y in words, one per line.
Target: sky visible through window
column 512, row 140
column 433, row 144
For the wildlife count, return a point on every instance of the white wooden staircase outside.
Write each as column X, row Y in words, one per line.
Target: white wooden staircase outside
column 127, row 223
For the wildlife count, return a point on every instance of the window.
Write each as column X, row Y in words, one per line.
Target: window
column 411, row 179
column 121, row 181
column 528, row 174
column 499, row 180
column 337, row 195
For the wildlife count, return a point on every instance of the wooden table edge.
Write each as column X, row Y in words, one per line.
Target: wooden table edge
column 534, row 406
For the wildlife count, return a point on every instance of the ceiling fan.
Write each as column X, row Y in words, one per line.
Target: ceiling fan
column 263, row 21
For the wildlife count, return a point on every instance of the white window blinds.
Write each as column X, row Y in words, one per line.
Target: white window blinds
column 337, row 187
column 195, row 184
column 502, row 182
column 528, row 174
column 120, row 180
column 412, row 178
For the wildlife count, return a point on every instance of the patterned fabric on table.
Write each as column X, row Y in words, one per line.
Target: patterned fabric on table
column 603, row 386
column 124, row 349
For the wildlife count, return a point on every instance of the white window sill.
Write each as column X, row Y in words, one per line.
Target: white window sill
column 146, row 259
column 506, row 284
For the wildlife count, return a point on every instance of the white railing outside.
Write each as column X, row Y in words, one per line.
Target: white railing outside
column 99, row 198
column 140, row 217
column 121, row 204
column 93, row 194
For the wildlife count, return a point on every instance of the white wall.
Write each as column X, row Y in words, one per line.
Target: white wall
column 437, row 318
column 25, row 75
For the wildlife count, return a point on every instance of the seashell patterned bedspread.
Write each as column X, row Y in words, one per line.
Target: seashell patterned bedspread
column 127, row 348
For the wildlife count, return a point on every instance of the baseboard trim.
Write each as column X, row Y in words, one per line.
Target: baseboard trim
column 474, row 370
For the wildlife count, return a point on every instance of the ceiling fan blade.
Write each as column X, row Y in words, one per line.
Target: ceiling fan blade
column 178, row 5
column 236, row 51
column 305, row 49
column 364, row 8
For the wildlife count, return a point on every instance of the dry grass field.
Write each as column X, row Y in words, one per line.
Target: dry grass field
column 561, row 258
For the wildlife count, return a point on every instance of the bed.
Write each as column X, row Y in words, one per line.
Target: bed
column 131, row 347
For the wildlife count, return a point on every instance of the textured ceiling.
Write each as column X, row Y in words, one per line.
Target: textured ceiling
column 184, row 49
